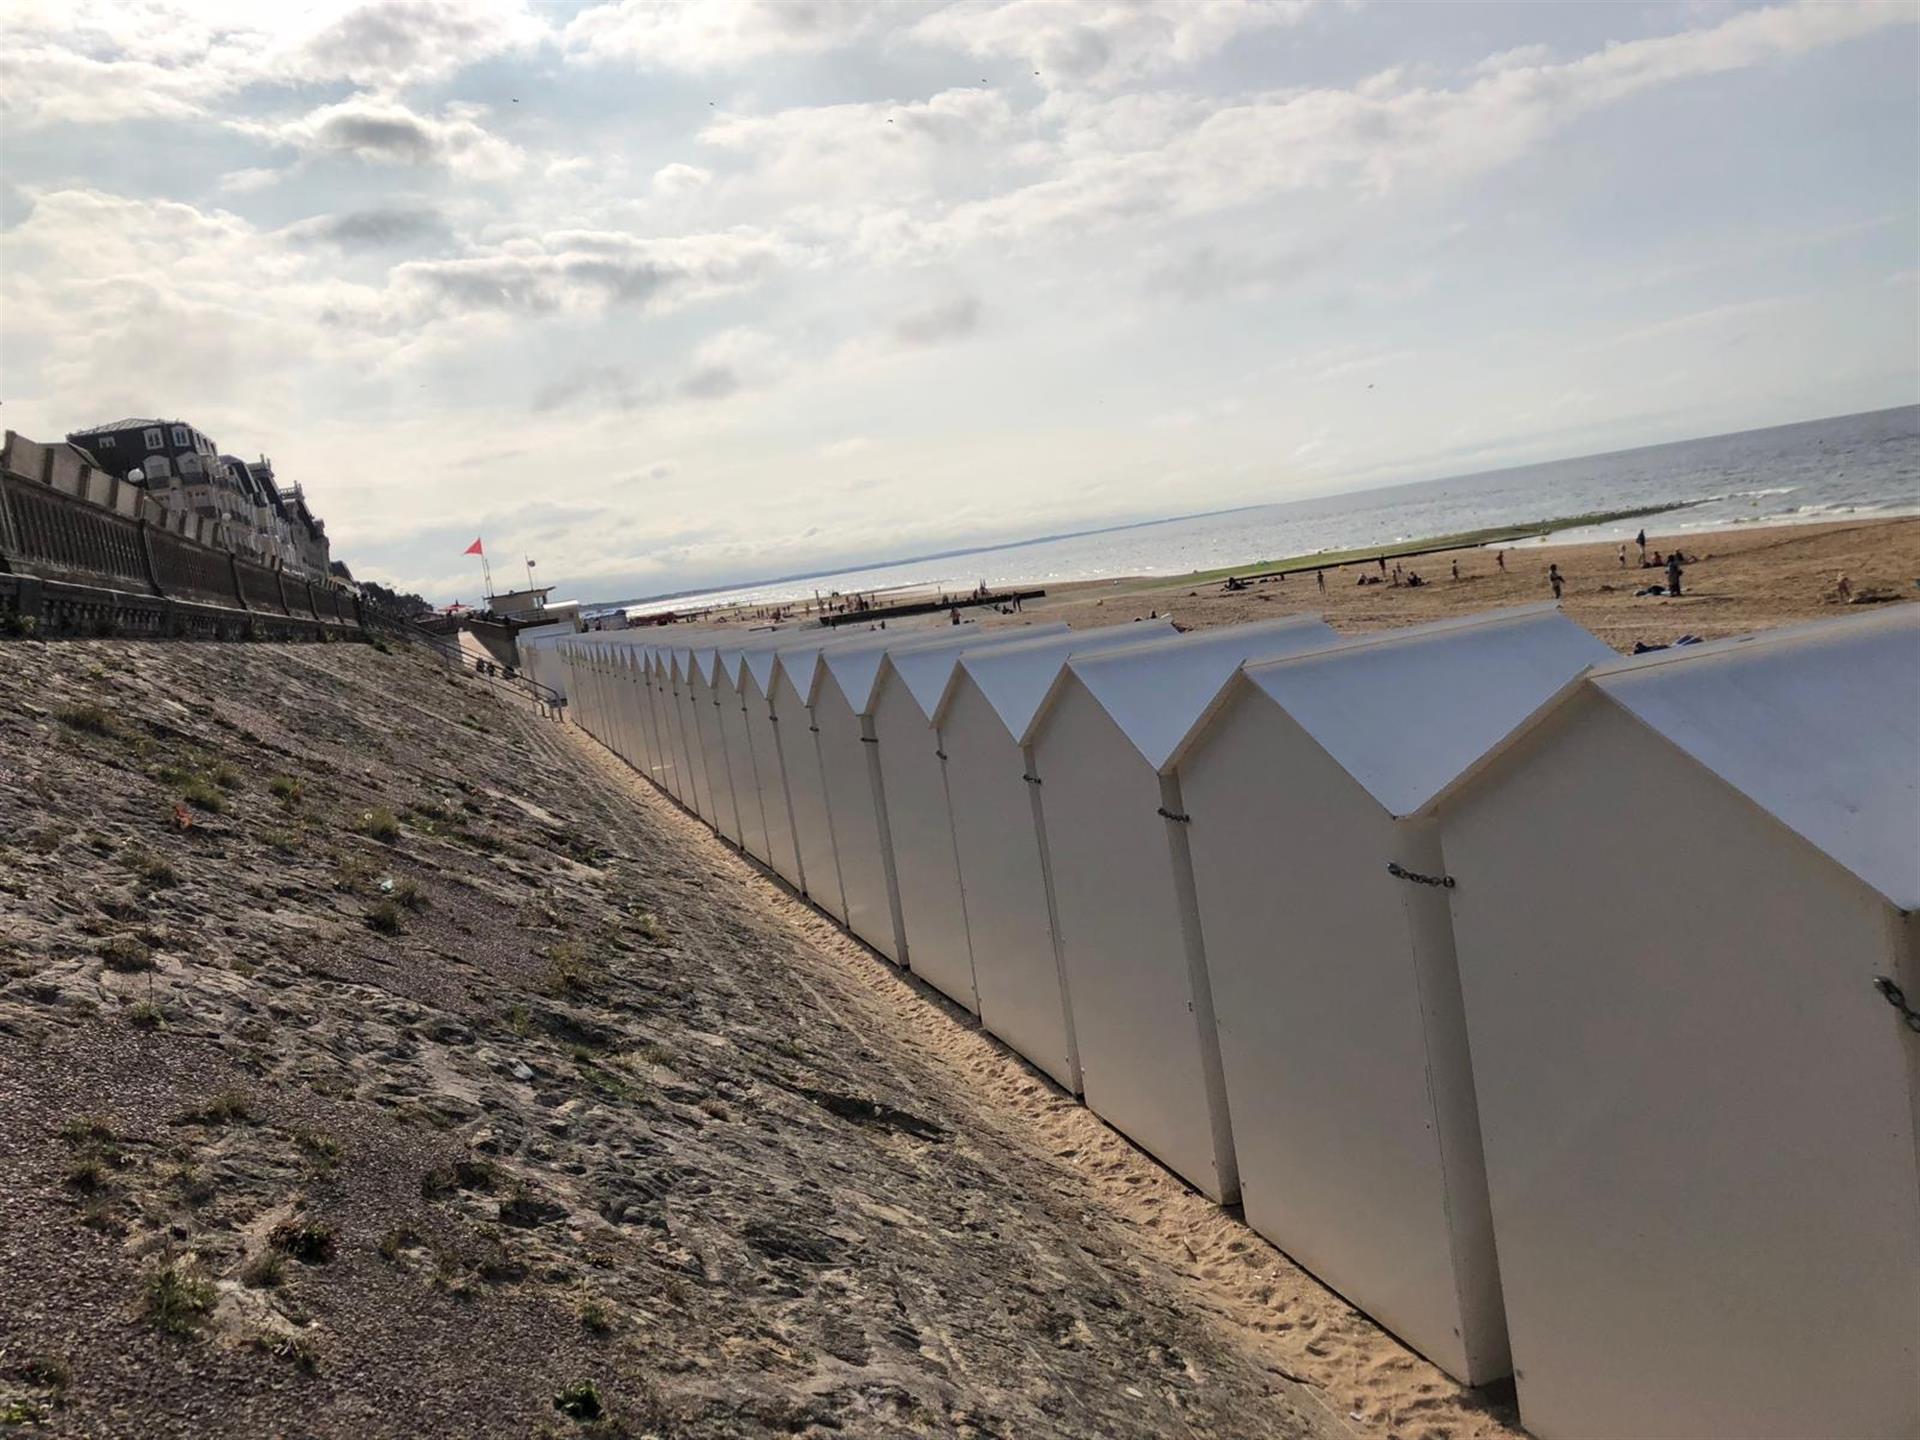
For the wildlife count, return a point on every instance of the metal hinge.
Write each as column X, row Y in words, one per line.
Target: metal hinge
column 869, row 739
column 1032, row 779
column 1897, row 998
column 1166, row 814
column 1445, row 882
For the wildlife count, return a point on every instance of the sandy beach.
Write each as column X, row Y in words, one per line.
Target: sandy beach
column 1736, row 580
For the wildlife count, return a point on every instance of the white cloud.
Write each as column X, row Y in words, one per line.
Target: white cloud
column 102, row 61
column 587, row 271
column 1101, row 42
column 383, row 131
column 245, row 182
column 700, row 35
column 879, row 152
column 1145, row 158
column 679, row 179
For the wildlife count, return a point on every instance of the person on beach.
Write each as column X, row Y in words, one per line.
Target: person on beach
column 1381, row 561
column 1456, row 569
column 1641, row 541
column 1673, row 573
column 1321, row 577
column 1555, row 579
column 1623, row 556
column 1500, row 558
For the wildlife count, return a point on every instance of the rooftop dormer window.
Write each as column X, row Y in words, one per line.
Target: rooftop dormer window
column 180, row 436
column 152, row 438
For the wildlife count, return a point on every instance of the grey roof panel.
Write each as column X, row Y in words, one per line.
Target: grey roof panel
column 1819, row 725
column 1015, row 679
column 1155, row 691
column 1405, row 711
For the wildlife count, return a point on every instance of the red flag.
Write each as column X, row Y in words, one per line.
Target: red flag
column 474, row 549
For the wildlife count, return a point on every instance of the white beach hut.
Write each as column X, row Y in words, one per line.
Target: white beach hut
column 583, row 681
column 704, row 669
column 1000, row 836
column 906, row 692
column 756, row 687
column 650, row 754
column 697, row 795
column 642, row 712
column 1686, row 894
column 624, row 717
column 845, row 690
column 666, row 767
column 736, row 733
column 796, row 673
column 1316, row 864
column 1129, row 936
column 537, row 648
column 664, row 763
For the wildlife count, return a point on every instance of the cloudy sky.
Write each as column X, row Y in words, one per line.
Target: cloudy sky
column 667, row 293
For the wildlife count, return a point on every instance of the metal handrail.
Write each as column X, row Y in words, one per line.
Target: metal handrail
column 493, row 672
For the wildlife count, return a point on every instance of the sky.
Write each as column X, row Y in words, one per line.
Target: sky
column 669, row 294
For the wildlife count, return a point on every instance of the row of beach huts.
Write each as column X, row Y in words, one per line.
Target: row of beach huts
column 1561, row 1011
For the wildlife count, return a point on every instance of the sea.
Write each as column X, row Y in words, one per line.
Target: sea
column 1849, row 465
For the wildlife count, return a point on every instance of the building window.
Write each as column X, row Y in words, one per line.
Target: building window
column 153, row 441
column 180, row 436
column 106, row 442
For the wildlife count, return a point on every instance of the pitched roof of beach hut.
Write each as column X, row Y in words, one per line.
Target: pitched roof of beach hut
column 1463, row 681
column 1155, row 690
column 856, row 670
column 733, row 655
column 1015, row 679
column 1797, row 720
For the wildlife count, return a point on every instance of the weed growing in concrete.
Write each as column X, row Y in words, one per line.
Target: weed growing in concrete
column 88, row 720
column 460, row 1175
column 579, row 1401
column 567, row 971
column 89, row 1174
column 127, row 954
column 296, row 1350
column 196, row 1187
column 596, row 1316
column 321, row 1148
column 176, row 1297
column 310, row 1243
column 49, row 1372
column 223, row 1109
column 202, row 794
column 84, row 1128
column 154, row 872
